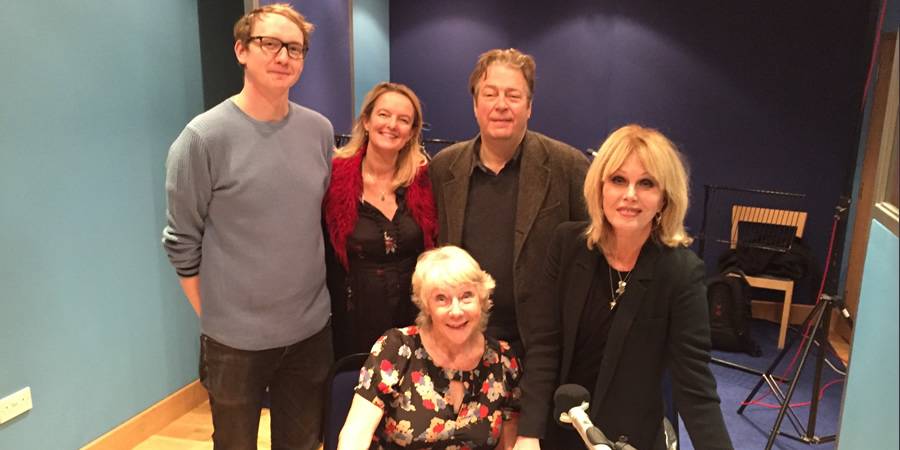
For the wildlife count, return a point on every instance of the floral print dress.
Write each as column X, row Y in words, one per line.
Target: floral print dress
column 401, row 379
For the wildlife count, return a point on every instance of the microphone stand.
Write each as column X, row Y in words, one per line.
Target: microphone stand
column 593, row 438
column 820, row 320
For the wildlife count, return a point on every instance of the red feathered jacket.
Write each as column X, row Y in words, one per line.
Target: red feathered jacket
column 341, row 200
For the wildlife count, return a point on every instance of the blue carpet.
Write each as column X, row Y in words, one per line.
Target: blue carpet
column 751, row 429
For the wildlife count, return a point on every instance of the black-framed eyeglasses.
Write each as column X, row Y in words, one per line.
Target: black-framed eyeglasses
column 273, row 46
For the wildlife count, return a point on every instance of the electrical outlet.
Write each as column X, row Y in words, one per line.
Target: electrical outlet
column 15, row 404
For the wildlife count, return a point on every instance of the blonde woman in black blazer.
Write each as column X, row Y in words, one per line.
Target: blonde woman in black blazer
column 621, row 300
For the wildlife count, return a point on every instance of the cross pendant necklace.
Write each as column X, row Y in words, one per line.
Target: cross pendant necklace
column 620, row 290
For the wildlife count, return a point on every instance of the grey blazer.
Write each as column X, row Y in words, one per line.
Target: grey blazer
column 551, row 191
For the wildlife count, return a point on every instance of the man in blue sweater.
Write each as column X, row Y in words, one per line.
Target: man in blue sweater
column 245, row 182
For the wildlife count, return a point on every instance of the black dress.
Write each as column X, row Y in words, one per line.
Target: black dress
column 375, row 294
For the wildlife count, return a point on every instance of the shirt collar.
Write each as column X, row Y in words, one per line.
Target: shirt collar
column 476, row 157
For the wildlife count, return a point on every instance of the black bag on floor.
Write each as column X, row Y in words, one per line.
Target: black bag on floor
column 728, row 295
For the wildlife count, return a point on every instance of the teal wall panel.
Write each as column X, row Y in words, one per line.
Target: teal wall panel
column 91, row 315
column 869, row 416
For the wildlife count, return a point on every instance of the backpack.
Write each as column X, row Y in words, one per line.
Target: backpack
column 728, row 295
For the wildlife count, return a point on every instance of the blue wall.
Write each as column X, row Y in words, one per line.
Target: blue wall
column 371, row 48
column 757, row 94
column 869, row 417
column 326, row 83
column 92, row 317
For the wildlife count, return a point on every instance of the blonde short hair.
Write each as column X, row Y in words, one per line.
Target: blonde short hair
column 510, row 58
column 445, row 267
column 243, row 28
column 411, row 157
column 662, row 161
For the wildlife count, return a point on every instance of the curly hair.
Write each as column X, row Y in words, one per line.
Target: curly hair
column 444, row 267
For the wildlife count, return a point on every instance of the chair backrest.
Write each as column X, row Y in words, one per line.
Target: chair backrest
column 343, row 376
column 767, row 216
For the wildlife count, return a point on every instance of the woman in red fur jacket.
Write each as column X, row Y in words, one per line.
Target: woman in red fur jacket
column 380, row 216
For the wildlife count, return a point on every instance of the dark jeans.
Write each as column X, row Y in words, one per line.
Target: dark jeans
column 237, row 380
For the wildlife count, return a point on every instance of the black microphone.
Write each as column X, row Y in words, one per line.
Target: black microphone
column 570, row 403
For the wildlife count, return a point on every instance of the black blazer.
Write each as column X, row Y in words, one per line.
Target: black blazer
column 551, row 191
column 662, row 322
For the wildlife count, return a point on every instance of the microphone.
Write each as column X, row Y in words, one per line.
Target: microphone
column 570, row 403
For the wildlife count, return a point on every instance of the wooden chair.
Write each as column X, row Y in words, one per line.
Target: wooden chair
column 784, row 218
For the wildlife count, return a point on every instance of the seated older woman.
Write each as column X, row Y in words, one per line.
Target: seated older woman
column 441, row 383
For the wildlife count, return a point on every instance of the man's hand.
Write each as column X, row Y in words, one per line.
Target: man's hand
column 191, row 288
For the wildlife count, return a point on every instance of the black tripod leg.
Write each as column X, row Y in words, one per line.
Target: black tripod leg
column 731, row 365
column 781, row 355
column 787, row 398
column 825, row 325
column 750, row 370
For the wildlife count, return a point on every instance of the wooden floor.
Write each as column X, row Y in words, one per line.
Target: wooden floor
column 841, row 347
column 193, row 431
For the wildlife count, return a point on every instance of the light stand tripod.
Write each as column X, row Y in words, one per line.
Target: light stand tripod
column 820, row 320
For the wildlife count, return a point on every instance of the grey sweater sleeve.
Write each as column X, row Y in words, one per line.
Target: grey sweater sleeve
column 188, row 192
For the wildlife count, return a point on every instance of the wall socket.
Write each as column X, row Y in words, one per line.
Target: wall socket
column 15, row 404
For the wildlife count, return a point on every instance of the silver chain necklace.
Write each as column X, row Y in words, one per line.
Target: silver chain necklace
column 374, row 184
column 620, row 290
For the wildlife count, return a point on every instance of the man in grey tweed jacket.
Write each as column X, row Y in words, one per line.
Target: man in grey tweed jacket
column 245, row 182
column 501, row 195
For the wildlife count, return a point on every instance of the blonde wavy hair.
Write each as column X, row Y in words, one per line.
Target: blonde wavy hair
column 662, row 161
column 411, row 156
